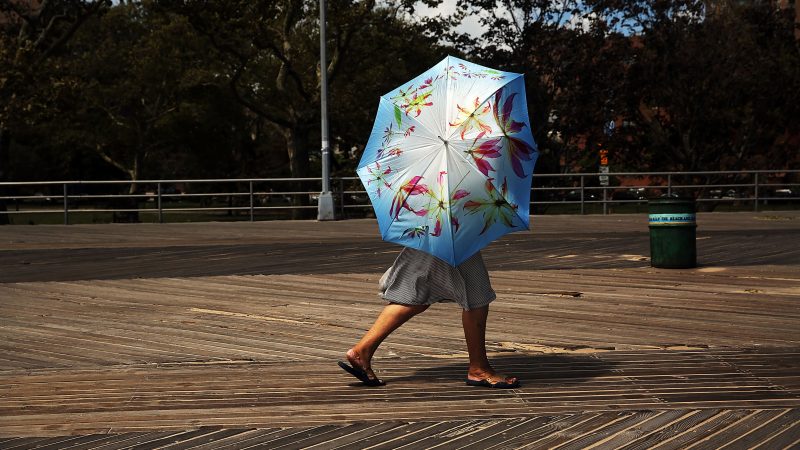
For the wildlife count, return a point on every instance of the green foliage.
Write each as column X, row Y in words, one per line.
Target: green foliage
column 691, row 85
column 230, row 88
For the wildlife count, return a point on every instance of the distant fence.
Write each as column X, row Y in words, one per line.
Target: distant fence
column 275, row 198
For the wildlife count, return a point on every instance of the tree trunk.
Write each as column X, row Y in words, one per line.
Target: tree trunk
column 297, row 148
column 5, row 157
column 130, row 203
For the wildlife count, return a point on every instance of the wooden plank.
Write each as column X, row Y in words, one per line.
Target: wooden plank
column 278, row 441
column 604, row 433
column 786, row 438
column 502, row 431
column 209, row 438
column 565, row 435
column 686, row 421
column 706, row 429
column 658, row 421
column 346, row 435
column 736, row 430
column 400, row 430
column 698, row 432
column 765, row 430
column 26, row 442
column 239, row 440
column 129, row 440
column 415, row 435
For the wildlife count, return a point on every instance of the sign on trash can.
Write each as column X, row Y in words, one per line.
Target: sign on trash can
column 673, row 234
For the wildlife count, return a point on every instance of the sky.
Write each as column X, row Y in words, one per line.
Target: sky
column 470, row 24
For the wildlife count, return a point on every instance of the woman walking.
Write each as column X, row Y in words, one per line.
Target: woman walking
column 417, row 280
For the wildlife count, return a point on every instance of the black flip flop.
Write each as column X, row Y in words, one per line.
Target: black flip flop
column 361, row 375
column 486, row 383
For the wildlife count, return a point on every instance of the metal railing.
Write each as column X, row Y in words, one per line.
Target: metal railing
column 265, row 198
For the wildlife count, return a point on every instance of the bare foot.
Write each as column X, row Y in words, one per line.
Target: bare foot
column 358, row 362
column 490, row 375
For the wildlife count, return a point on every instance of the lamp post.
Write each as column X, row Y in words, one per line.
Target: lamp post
column 325, row 202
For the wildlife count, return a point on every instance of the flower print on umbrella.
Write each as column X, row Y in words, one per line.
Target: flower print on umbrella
column 403, row 96
column 414, row 99
column 472, row 118
column 416, row 232
column 487, row 149
column 518, row 149
column 495, row 208
column 400, row 200
column 467, row 73
column 440, row 205
column 389, row 133
column 397, row 151
column 417, row 102
column 378, row 176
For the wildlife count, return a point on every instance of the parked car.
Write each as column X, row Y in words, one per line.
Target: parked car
column 723, row 194
column 783, row 193
column 359, row 198
column 43, row 196
column 575, row 195
column 629, row 194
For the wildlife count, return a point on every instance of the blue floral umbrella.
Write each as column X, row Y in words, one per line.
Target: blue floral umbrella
column 448, row 165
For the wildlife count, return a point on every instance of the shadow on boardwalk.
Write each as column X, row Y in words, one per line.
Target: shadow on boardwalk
column 565, row 242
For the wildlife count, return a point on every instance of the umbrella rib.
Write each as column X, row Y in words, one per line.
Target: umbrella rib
column 449, row 197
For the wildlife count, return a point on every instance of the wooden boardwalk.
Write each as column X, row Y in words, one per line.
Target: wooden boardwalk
column 225, row 335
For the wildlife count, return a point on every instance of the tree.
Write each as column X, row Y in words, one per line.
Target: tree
column 693, row 85
column 270, row 50
column 132, row 69
column 393, row 47
column 572, row 65
column 32, row 33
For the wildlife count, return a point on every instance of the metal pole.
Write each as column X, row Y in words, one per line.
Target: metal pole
column 605, row 204
column 582, row 202
column 66, row 205
column 325, row 202
column 755, row 200
column 160, row 214
column 669, row 185
column 341, row 197
column 252, row 209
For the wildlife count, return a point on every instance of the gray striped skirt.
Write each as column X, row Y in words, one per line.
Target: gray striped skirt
column 417, row 278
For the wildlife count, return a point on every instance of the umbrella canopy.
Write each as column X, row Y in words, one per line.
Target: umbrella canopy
column 449, row 162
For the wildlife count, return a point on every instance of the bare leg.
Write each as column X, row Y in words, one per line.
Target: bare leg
column 392, row 316
column 474, row 322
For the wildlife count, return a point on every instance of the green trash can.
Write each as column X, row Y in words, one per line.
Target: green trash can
column 672, row 233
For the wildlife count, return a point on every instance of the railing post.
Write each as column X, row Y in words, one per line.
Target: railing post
column 669, row 185
column 605, row 204
column 252, row 203
column 755, row 200
column 160, row 215
column 66, row 204
column 341, row 198
column 582, row 201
